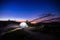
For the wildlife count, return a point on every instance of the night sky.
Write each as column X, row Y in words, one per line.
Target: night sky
column 27, row 9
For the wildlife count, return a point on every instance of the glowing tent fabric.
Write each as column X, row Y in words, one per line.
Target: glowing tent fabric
column 23, row 25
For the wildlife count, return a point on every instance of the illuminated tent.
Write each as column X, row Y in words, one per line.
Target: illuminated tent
column 23, row 25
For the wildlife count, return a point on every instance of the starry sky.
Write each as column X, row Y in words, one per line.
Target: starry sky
column 27, row 9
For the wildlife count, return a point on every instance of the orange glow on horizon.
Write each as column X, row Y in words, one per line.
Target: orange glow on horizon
column 20, row 20
column 33, row 22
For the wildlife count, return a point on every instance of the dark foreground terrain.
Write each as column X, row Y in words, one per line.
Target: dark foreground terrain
column 50, row 31
column 26, row 34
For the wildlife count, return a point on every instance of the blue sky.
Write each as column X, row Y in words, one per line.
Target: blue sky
column 27, row 9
